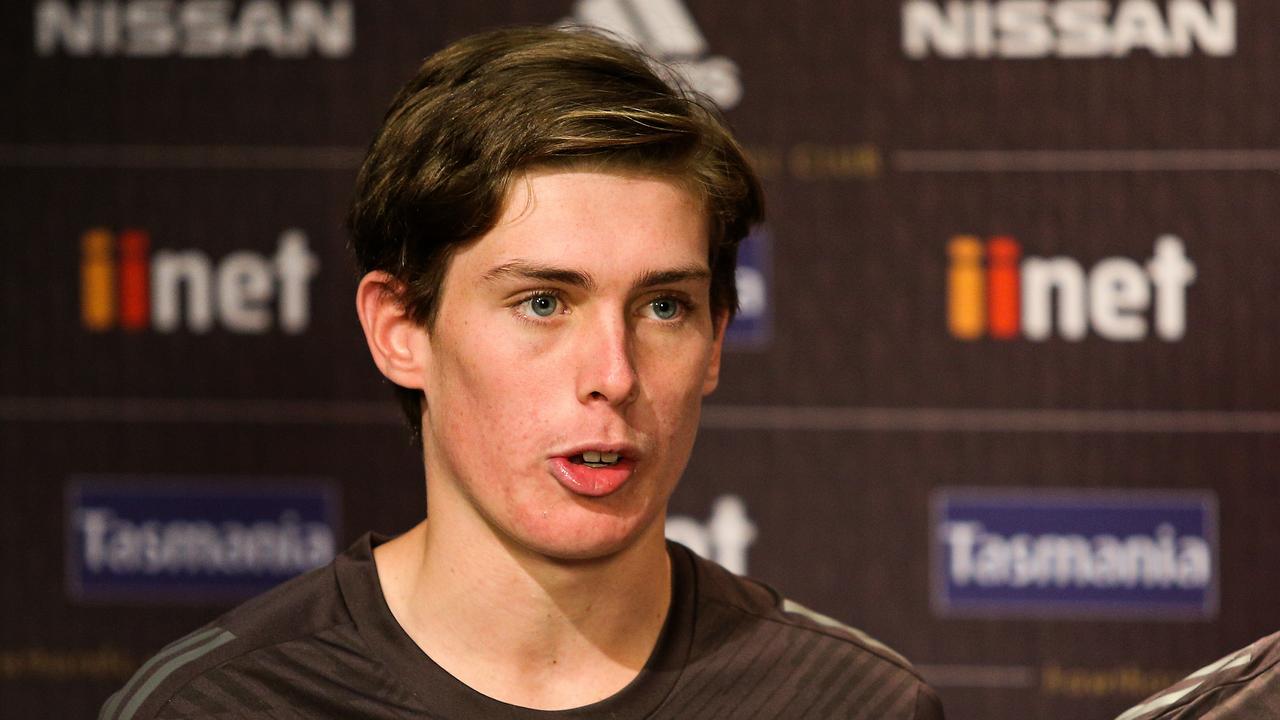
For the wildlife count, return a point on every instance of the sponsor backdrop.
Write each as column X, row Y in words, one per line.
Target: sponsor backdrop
column 1005, row 392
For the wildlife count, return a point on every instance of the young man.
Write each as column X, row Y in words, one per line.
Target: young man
column 547, row 232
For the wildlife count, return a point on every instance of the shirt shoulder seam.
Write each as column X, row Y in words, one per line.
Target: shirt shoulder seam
column 245, row 652
column 820, row 631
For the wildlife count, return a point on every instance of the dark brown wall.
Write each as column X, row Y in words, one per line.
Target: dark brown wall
column 872, row 165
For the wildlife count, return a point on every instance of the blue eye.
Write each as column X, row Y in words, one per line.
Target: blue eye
column 543, row 305
column 665, row 308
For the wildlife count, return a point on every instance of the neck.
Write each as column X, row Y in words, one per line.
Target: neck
column 520, row 627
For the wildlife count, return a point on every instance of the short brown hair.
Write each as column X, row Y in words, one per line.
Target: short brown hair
column 493, row 105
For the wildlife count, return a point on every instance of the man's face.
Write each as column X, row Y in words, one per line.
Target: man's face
column 568, row 360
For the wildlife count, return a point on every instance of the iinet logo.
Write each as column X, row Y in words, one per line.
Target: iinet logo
column 122, row 284
column 723, row 538
column 1007, row 298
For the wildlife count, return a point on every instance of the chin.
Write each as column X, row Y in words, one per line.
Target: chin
column 583, row 537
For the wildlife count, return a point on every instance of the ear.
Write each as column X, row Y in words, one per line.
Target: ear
column 712, row 378
column 399, row 346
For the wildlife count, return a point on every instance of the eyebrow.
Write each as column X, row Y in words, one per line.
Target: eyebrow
column 577, row 278
column 673, row 276
column 546, row 273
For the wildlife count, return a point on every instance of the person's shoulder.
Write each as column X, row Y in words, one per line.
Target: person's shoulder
column 758, row 600
column 833, row 649
column 273, row 631
column 1243, row 684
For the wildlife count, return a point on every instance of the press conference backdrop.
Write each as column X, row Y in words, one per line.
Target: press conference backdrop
column 1005, row 390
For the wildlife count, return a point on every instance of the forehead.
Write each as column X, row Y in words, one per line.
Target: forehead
column 590, row 217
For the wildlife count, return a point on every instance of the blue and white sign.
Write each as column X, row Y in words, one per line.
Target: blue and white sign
column 163, row 539
column 1074, row 553
column 752, row 327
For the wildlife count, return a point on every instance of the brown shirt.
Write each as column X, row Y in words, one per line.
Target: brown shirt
column 325, row 645
column 1244, row 684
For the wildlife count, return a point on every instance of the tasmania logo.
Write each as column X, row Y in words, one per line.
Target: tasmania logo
column 124, row 285
column 1013, row 297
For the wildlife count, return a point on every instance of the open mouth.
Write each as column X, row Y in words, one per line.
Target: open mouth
column 594, row 459
column 593, row 473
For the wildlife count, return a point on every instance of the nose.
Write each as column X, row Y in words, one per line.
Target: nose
column 606, row 370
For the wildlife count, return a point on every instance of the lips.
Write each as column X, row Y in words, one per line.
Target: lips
column 592, row 480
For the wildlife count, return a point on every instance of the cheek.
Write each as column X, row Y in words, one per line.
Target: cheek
column 674, row 369
column 507, row 418
column 674, row 380
column 493, row 402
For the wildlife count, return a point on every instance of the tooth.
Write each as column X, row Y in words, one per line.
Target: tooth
column 591, row 456
column 609, row 457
